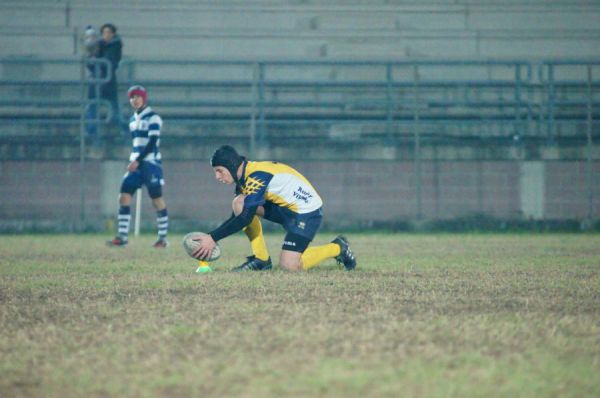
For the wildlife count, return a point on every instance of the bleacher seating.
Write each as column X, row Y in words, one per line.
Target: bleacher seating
column 247, row 29
column 296, row 29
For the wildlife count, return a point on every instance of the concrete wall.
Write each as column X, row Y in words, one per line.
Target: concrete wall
column 355, row 192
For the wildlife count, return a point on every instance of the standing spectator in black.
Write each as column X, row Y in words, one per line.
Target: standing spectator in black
column 109, row 47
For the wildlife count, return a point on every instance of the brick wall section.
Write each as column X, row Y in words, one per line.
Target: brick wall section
column 566, row 192
column 192, row 191
column 47, row 190
column 352, row 191
column 384, row 190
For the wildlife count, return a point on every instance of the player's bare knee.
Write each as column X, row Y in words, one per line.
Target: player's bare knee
column 124, row 199
column 291, row 266
column 159, row 203
column 290, row 261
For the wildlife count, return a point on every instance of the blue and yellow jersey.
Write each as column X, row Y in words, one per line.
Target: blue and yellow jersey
column 279, row 184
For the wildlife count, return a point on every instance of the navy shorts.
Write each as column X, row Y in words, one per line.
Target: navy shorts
column 301, row 228
column 148, row 174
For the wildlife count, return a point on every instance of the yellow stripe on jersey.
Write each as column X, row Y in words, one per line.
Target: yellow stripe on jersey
column 279, row 201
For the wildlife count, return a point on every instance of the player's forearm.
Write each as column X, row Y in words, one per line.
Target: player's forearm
column 233, row 225
column 151, row 146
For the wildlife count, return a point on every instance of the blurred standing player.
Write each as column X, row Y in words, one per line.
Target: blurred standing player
column 278, row 193
column 145, row 168
column 108, row 47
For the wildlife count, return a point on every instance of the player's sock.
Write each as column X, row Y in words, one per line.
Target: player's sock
column 162, row 221
column 315, row 255
column 257, row 240
column 123, row 222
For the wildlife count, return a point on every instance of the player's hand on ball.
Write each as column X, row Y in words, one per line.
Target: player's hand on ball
column 131, row 167
column 193, row 243
column 205, row 248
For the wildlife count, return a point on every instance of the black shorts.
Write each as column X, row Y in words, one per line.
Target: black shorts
column 148, row 174
column 301, row 228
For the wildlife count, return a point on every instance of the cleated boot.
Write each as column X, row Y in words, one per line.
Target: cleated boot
column 254, row 264
column 346, row 257
column 160, row 244
column 117, row 241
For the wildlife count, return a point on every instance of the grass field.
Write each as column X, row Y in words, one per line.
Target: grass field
column 423, row 315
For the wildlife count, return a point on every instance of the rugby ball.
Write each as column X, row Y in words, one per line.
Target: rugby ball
column 190, row 245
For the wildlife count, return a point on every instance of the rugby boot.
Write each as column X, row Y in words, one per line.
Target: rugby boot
column 116, row 241
column 254, row 264
column 160, row 244
column 346, row 257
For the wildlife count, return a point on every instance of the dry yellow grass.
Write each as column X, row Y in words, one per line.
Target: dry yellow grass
column 424, row 315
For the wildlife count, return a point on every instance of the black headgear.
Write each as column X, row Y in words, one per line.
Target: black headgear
column 227, row 157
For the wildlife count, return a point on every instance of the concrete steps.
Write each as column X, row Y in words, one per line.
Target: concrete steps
column 315, row 29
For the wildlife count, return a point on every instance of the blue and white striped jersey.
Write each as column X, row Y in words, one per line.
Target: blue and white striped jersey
column 143, row 126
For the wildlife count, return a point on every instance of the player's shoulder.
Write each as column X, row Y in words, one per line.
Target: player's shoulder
column 259, row 171
column 268, row 166
column 149, row 113
column 282, row 170
column 154, row 118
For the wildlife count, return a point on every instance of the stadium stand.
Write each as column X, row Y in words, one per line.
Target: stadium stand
column 169, row 47
column 467, row 86
column 313, row 29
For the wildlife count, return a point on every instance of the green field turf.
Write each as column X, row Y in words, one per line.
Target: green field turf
column 423, row 315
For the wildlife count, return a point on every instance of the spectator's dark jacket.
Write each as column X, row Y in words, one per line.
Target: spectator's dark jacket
column 111, row 51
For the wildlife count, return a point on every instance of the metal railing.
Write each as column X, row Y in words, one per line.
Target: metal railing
column 583, row 103
column 568, row 97
column 92, row 74
column 394, row 102
column 75, row 68
column 267, row 96
column 391, row 96
column 387, row 101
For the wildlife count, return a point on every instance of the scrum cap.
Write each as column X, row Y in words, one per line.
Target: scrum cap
column 227, row 157
column 138, row 90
